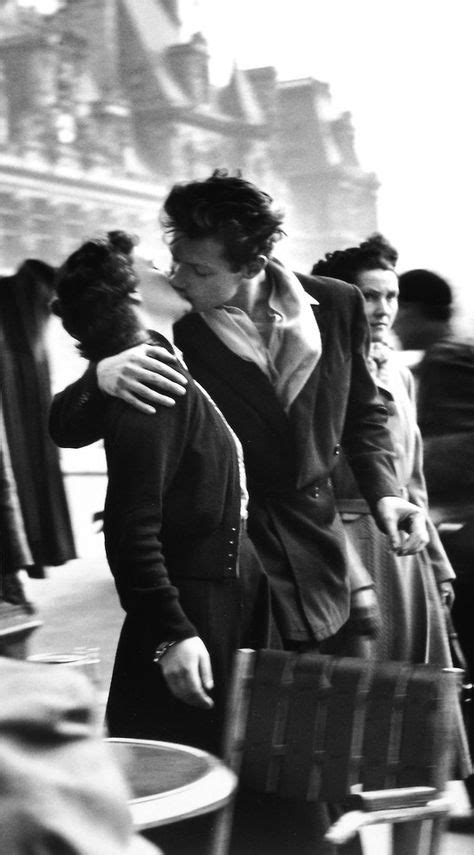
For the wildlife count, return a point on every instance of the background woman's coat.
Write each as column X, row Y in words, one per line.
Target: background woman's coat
column 413, row 623
column 26, row 390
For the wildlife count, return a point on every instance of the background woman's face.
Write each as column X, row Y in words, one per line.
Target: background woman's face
column 380, row 291
column 159, row 299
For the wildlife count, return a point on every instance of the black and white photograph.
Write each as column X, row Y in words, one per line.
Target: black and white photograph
column 236, row 427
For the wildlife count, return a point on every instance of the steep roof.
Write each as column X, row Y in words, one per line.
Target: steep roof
column 238, row 99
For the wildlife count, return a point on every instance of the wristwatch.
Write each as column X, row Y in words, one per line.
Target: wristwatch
column 162, row 649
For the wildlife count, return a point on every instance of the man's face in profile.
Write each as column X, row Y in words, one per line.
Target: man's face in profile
column 201, row 272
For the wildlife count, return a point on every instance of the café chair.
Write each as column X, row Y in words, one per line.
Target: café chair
column 375, row 737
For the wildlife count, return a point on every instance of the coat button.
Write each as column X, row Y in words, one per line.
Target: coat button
column 337, row 449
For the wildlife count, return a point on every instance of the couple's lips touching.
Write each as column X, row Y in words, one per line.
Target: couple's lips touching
column 182, row 294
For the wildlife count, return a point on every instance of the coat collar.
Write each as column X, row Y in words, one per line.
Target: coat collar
column 194, row 337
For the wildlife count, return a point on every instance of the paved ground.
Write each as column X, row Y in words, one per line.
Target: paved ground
column 79, row 607
column 78, row 603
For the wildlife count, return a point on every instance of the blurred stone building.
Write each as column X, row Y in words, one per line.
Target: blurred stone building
column 103, row 107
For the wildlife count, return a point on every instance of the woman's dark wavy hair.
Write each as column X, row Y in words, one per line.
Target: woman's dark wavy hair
column 93, row 288
column 229, row 209
column 375, row 253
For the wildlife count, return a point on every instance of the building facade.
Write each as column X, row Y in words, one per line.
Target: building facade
column 103, row 107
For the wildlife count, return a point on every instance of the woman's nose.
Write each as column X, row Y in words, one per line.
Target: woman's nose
column 382, row 307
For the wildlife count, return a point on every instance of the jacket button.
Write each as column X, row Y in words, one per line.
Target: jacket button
column 337, row 449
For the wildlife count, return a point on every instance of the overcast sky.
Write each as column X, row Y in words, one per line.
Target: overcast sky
column 404, row 68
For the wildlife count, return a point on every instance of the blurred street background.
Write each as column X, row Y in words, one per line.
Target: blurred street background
column 77, row 602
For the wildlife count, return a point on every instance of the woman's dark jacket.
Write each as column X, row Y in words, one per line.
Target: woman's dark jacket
column 172, row 531
column 172, row 510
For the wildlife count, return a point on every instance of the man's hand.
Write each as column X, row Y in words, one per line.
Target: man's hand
column 187, row 670
column 404, row 524
column 137, row 372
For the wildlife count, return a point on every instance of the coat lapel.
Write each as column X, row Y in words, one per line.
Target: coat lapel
column 201, row 346
column 306, row 400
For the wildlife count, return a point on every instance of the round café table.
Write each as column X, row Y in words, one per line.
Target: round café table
column 171, row 782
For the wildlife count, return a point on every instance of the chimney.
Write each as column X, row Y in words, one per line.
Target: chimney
column 189, row 65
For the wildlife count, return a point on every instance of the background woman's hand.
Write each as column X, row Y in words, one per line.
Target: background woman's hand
column 446, row 593
column 187, row 670
column 136, row 373
column 404, row 523
column 364, row 616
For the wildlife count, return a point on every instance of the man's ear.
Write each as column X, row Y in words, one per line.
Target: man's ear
column 254, row 267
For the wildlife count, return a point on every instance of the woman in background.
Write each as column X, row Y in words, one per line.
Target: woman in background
column 412, row 590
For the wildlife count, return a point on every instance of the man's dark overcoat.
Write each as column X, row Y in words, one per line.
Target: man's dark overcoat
column 290, row 457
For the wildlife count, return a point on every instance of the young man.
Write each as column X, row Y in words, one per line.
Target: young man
column 284, row 359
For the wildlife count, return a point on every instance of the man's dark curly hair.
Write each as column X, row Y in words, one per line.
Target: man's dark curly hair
column 226, row 208
column 93, row 289
column 375, row 253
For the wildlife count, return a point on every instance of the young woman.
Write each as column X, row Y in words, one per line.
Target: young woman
column 173, row 516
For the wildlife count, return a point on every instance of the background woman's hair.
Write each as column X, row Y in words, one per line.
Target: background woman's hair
column 375, row 253
column 93, row 289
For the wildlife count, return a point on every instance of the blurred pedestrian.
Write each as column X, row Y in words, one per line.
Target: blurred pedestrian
column 445, row 380
column 25, row 383
column 445, row 399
